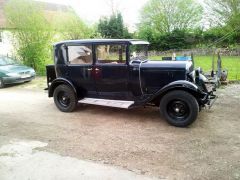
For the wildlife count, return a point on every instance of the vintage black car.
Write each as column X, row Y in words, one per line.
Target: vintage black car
column 117, row 73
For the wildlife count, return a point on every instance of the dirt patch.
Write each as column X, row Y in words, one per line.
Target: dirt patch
column 138, row 140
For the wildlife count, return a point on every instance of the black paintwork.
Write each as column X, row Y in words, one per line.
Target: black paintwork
column 141, row 81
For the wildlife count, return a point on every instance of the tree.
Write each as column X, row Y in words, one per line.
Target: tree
column 113, row 27
column 165, row 16
column 220, row 12
column 224, row 18
column 171, row 24
column 70, row 26
column 31, row 33
column 176, row 39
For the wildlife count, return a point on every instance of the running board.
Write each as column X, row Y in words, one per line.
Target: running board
column 107, row 102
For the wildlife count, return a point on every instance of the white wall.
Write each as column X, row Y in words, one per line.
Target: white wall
column 6, row 47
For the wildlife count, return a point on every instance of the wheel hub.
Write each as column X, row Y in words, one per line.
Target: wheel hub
column 178, row 109
column 63, row 99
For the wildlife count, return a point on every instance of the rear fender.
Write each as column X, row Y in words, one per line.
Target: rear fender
column 57, row 82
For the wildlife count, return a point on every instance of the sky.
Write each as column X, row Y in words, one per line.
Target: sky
column 92, row 10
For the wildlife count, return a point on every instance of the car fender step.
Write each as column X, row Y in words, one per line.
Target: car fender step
column 107, row 102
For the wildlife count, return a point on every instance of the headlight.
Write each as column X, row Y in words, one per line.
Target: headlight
column 203, row 78
column 192, row 74
column 32, row 71
column 197, row 73
column 13, row 74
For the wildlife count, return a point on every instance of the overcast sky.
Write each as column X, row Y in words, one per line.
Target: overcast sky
column 92, row 10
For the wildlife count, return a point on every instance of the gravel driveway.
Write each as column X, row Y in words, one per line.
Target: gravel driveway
column 137, row 141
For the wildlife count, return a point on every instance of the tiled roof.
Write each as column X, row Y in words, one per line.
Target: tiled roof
column 2, row 16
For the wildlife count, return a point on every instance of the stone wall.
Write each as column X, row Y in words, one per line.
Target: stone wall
column 199, row 52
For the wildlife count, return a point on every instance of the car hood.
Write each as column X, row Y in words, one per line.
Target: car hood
column 177, row 65
column 14, row 68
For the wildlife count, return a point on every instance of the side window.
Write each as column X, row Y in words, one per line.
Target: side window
column 115, row 54
column 80, row 54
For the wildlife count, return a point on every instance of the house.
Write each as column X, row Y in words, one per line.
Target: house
column 50, row 10
column 5, row 44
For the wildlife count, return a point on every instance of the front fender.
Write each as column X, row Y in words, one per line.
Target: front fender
column 57, row 82
column 179, row 85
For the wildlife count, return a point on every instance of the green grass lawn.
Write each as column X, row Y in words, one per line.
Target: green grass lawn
column 230, row 63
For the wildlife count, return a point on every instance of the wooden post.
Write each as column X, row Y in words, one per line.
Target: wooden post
column 192, row 60
column 213, row 59
column 219, row 66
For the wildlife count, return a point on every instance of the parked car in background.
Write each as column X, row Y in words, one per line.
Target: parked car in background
column 12, row 72
column 117, row 73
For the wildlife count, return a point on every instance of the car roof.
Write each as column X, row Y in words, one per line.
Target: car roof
column 99, row 41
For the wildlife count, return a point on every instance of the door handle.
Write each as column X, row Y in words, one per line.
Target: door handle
column 90, row 69
column 96, row 69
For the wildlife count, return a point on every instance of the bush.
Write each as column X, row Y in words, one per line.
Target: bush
column 32, row 33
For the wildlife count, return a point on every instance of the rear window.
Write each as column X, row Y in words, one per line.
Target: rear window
column 80, row 55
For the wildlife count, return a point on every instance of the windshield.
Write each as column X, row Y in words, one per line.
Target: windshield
column 139, row 52
column 6, row 61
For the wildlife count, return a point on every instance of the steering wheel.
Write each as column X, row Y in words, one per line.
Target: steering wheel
column 135, row 61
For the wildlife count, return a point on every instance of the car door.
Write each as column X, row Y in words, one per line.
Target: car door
column 111, row 71
column 80, row 65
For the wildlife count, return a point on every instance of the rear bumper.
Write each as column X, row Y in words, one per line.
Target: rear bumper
column 15, row 80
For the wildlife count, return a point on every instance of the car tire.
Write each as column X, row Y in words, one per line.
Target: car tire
column 2, row 85
column 179, row 108
column 65, row 98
